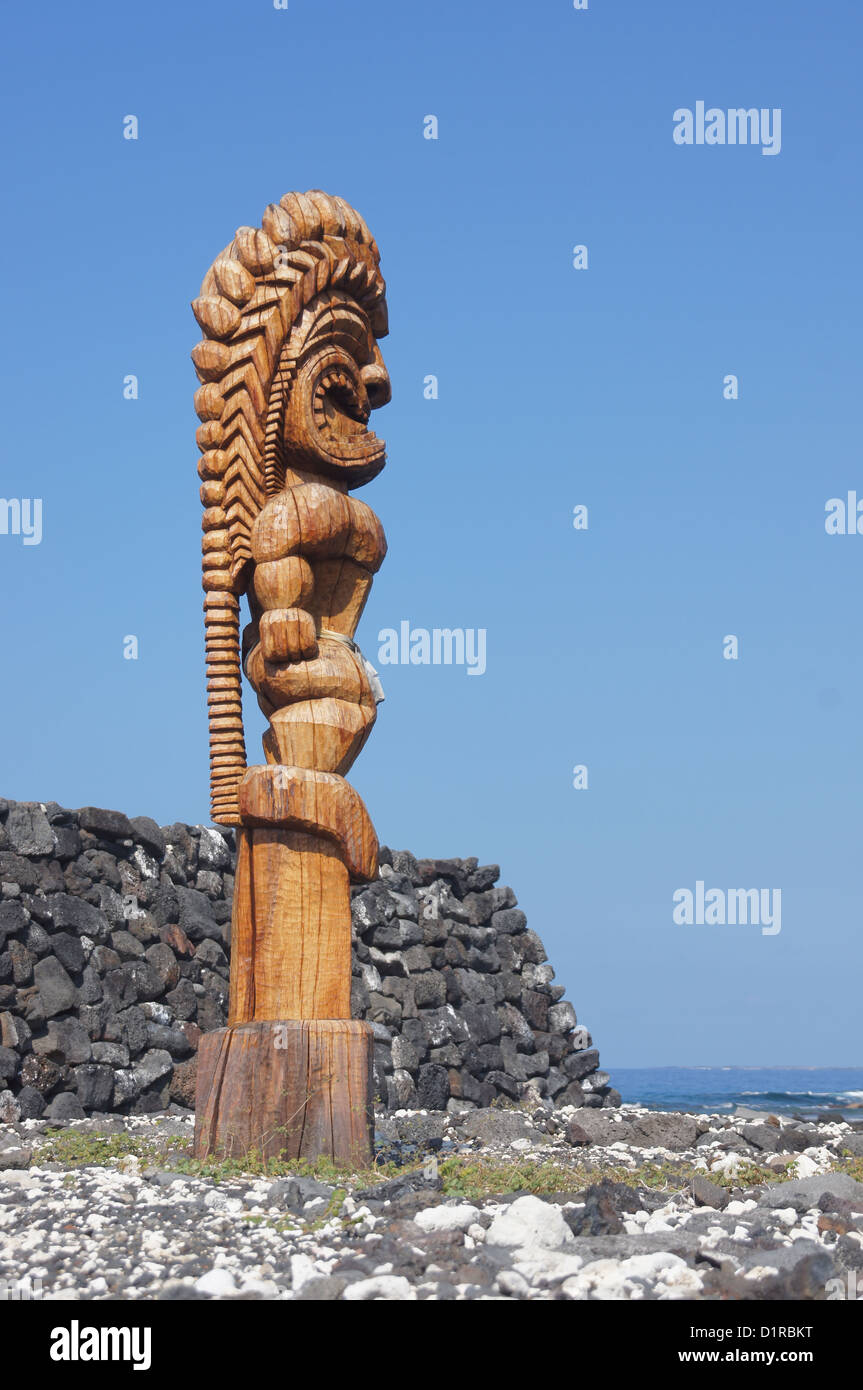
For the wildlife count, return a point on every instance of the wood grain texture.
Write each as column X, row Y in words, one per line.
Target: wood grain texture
column 290, row 370
column 291, row 931
column 292, row 1090
column 304, row 799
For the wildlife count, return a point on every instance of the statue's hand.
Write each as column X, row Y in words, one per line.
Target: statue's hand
column 288, row 634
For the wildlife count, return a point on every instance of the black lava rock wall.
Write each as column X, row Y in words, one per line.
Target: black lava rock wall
column 114, row 951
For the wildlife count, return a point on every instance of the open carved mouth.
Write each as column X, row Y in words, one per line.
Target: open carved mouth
column 341, row 404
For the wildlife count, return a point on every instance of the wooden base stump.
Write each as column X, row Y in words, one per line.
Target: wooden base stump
column 289, row 1089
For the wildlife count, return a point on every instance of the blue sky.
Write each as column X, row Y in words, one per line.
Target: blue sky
column 557, row 387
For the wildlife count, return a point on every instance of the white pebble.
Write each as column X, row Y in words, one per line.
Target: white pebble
column 386, row 1286
column 738, row 1208
column 302, row 1270
column 447, row 1218
column 509, row 1281
column 217, row 1282
column 531, row 1223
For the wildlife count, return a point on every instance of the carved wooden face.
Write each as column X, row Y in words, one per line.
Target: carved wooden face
column 340, row 378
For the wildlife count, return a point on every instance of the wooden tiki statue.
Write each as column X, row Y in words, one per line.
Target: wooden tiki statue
column 290, row 369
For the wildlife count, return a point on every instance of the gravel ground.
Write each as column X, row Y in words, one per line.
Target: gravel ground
column 490, row 1204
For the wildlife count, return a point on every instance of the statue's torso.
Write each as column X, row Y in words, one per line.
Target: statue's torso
column 315, row 550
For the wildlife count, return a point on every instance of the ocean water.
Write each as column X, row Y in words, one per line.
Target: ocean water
column 807, row 1091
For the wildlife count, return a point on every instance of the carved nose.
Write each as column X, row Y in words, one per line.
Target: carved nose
column 376, row 380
